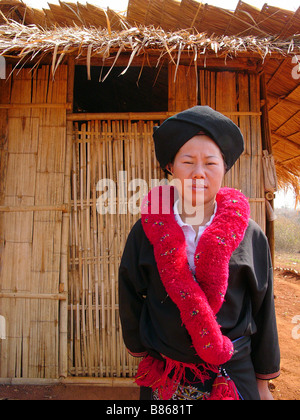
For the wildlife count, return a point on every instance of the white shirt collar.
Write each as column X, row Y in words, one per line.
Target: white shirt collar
column 181, row 223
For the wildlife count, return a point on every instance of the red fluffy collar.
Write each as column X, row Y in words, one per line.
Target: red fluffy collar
column 198, row 301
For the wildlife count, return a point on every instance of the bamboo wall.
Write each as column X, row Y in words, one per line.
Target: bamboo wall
column 33, row 153
column 45, row 249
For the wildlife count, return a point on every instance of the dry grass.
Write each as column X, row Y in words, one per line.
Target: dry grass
column 28, row 42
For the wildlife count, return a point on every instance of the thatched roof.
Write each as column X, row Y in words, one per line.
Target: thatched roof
column 172, row 29
column 170, row 15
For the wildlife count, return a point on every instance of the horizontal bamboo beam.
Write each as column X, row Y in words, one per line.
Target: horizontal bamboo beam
column 63, row 208
column 67, row 106
column 24, row 295
column 245, row 60
column 29, row 381
column 20, row 209
column 120, row 116
column 105, row 382
column 242, row 113
column 141, row 115
column 101, row 382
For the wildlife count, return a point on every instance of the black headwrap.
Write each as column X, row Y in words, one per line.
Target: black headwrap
column 177, row 130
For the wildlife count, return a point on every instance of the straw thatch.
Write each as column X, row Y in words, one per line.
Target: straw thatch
column 29, row 42
column 26, row 42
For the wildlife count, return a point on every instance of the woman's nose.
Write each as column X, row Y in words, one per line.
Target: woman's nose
column 199, row 171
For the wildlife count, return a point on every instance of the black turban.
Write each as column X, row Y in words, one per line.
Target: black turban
column 177, row 130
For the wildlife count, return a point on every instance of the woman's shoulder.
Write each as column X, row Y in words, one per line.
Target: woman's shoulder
column 137, row 242
column 136, row 233
column 253, row 226
column 254, row 231
column 137, row 228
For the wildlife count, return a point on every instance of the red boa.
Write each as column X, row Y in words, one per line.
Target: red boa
column 198, row 301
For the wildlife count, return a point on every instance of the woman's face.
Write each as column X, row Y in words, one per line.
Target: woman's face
column 198, row 170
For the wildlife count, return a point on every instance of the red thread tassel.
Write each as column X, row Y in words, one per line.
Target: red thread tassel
column 223, row 389
column 165, row 375
column 149, row 372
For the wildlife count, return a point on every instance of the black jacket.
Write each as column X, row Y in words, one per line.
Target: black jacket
column 151, row 321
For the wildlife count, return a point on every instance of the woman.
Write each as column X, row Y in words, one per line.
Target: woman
column 195, row 280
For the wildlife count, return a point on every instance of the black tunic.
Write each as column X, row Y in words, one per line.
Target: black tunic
column 151, row 321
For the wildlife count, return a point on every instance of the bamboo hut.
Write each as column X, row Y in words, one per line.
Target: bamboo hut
column 82, row 91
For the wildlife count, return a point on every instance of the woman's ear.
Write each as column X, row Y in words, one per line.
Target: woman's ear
column 169, row 168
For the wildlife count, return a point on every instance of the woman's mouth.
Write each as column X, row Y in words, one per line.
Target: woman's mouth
column 198, row 185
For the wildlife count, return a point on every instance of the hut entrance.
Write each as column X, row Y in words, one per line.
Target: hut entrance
column 108, row 90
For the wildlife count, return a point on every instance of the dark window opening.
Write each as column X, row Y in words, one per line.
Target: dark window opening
column 135, row 91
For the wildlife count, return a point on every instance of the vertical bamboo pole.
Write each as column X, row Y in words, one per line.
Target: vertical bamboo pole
column 111, row 258
column 267, row 145
column 116, row 163
column 82, row 248
column 5, row 95
column 107, row 271
column 88, row 251
column 64, row 269
column 63, row 287
column 75, row 272
column 103, row 252
column 96, row 255
column 245, row 182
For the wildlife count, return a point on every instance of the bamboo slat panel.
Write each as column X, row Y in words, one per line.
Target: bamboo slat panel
column 183, row 89
column 30, row 239
column 103, row 150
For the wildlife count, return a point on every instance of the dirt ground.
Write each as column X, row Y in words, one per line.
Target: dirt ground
column 286, row 387
column 287, row 301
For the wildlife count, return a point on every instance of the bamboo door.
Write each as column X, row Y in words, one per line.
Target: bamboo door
column 108, row 154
